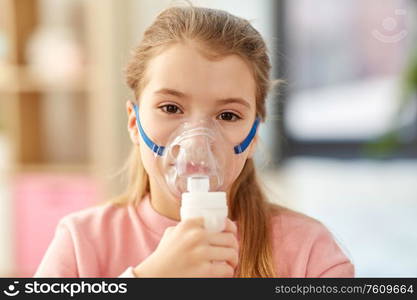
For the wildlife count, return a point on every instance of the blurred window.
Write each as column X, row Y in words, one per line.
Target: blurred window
column 344, row 63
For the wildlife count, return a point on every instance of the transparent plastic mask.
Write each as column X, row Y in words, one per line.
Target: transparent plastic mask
column 198, row 150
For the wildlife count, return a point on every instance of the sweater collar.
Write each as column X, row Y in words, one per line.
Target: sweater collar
column 153, row 220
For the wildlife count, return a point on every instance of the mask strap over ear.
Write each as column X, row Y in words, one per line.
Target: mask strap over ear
column 159, row 150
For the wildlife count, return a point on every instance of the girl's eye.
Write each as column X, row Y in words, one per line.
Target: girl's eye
column 229, row 116
column 170, row 108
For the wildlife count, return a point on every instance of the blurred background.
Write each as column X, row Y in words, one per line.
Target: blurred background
column 340, row 143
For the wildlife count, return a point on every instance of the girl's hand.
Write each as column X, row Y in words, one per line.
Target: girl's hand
column 188, row 250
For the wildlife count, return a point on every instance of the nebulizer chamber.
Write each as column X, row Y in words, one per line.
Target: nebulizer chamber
column 199, row 202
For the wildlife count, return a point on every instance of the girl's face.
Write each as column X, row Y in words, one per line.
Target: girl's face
column 182, row 84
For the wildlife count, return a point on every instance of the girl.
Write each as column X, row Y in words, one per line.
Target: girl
column 194, row 64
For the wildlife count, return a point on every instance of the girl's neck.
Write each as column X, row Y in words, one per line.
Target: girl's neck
column 164, row 203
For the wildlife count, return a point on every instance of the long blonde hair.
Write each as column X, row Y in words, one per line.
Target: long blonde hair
column 219, row 34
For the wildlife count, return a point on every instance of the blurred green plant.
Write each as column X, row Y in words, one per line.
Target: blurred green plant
column 390, row 142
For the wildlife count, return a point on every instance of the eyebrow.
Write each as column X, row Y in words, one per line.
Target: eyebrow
column 172, row 92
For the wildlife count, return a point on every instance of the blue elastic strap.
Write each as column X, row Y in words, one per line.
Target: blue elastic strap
column 160, row 149
column 154, row 147
column 243, row 145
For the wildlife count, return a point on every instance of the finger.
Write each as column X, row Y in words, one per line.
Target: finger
column 193, row 222
column 169, row 229
column 221, row 269
column 230, row 226
column 223, row 239
column 229, row 255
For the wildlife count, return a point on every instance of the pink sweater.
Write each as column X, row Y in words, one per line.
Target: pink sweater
column 107, row 241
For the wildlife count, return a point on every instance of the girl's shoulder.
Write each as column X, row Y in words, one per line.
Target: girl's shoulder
column 97, row 217
column 290, row 219
column 304, row 246
column 299, row 231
